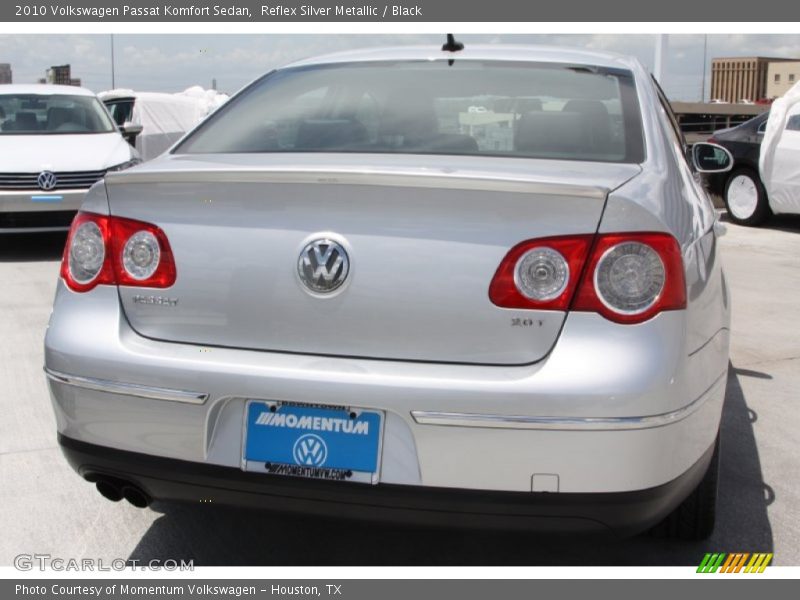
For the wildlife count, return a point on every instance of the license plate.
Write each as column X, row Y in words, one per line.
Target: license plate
column 310, row 441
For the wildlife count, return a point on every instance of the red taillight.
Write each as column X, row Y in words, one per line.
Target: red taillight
column 626, row 277
column 506, row 290
column 112, row 250
column 86, row 263
column 631, row 286
column 124, row 234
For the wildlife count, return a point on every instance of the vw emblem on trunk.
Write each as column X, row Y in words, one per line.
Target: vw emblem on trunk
column 323, row 266
column 310, row 450
column 47, row 180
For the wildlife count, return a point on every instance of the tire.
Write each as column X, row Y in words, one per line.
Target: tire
column 694, row 518
column 745, row 198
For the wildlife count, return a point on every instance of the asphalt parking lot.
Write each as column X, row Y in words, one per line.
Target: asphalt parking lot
column 46, row 508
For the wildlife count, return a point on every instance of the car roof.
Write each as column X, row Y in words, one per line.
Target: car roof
column 44, row 89
column 758, row 119
column 156, row 97
column 117, row 93
column 495, row 52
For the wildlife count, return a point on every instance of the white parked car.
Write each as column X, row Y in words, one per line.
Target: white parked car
column 55, row 143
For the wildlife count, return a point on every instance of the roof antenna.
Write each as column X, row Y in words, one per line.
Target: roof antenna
column 452, row 46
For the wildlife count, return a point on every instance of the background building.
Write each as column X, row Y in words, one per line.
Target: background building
column 781, row 76
column 741, row 78
column 61, row 75
column 5, row 73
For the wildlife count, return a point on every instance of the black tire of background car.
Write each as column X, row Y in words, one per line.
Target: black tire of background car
column 762, row 211
column 694, row 518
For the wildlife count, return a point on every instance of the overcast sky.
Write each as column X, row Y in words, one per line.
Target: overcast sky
column 174, row 62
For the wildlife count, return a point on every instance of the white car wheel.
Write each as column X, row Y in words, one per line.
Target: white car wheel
column 745, row 198
column 742, row 197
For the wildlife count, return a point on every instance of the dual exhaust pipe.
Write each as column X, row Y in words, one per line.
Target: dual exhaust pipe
column 116, row 489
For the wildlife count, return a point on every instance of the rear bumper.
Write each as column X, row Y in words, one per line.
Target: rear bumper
column 621, row 513
column 613, row 409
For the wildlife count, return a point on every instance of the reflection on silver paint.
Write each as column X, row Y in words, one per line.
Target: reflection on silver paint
column 557, row 423
column 127, row 389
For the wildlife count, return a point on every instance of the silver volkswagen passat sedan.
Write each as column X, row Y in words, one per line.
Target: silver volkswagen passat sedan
column 452, row 287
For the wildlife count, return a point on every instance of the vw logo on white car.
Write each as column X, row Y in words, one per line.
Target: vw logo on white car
column 47, row 180
column 310, row 450
column 323, row 266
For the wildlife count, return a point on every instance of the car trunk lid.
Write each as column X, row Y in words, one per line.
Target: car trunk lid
column 424, row 237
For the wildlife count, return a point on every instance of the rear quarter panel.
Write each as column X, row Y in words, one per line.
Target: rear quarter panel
column 668, row 196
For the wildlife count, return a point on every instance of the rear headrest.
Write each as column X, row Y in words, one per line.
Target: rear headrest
column 409, row 119
column 57, row 116
column 552, row 134
column 587, row 107
column 596, row 118
column 324, row 134
column 524, row 105
column 26, row 121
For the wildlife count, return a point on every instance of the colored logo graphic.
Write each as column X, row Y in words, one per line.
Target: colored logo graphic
column 310, row 450
column 738, row 562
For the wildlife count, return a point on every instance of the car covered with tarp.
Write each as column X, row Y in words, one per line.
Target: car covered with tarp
column 779, row 162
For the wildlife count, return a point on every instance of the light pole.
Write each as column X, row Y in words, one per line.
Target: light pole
column 113, row 79
column 660, row 58
column 705, row 54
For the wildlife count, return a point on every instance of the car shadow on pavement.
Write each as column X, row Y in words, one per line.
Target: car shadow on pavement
column 32, row 247
column 787, row 223
column 224, row 536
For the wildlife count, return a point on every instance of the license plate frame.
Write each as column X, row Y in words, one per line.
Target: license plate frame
column 341, row 445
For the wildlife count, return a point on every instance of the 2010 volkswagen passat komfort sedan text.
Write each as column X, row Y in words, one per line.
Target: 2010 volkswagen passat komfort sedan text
column 56, row 141
column 479, row 287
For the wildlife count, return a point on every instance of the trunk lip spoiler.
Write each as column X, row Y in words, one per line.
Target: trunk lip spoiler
column 400, row 178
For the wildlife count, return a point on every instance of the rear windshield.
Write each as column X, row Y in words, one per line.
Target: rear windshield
column 26, row 114
column 513, row 109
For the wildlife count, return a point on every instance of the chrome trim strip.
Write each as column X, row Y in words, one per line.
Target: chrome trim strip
column 127, row 389
column 496, row 421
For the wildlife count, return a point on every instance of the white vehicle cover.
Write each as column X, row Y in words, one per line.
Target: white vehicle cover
column 166, row 117
column 779, row 161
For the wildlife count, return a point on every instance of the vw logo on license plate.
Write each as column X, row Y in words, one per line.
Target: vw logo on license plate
column 310, row 450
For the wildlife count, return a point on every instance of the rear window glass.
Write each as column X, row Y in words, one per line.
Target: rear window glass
column 526, row 110
column 43, row 114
